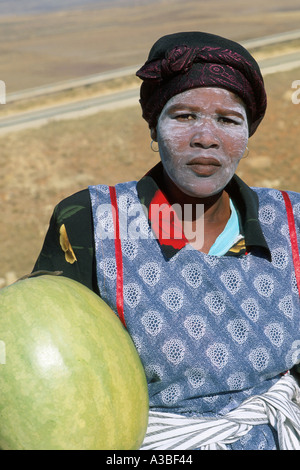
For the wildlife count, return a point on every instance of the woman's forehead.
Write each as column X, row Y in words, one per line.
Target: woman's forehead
column 206, row 97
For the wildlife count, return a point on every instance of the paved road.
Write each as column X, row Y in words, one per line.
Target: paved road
column 124, row 98
column 280, row 63
column 125, row 71
column 69, row 111
column 272, row 39
column 69, row 84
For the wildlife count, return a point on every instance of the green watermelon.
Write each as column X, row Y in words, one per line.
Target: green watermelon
column 72, row 378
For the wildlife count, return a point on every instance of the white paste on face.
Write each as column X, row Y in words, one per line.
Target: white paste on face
column 202, row 123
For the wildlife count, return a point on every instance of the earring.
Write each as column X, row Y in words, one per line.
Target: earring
column 152, row 148
column 247, row 153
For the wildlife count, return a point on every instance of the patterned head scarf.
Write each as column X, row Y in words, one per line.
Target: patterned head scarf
column 181, row 61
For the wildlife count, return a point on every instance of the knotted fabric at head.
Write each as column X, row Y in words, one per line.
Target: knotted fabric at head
column 181, row 61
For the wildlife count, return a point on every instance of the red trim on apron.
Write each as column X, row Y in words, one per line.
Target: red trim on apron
column 293, row 236
column 119, row 259
column 118, row 254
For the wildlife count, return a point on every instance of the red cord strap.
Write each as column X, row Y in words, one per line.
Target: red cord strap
column 119, row 259
column 118, row 254
column 293, row 236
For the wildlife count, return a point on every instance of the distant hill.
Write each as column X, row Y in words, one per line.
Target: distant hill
column 47, row 41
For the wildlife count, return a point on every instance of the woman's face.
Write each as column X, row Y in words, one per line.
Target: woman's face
column 202, row 134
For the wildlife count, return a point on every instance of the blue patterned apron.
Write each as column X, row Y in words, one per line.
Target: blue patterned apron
column 210, row 331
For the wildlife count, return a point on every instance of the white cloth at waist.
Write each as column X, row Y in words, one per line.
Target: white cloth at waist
column 279, row 407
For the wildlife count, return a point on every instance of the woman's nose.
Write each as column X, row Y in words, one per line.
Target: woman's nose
column 205, row 135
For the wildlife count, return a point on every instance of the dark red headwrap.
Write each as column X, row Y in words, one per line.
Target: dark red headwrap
column 181, row 61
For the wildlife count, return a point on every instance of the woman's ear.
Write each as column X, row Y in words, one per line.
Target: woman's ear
column 153, row 134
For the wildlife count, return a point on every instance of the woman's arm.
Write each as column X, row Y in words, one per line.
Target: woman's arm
column 69, row 243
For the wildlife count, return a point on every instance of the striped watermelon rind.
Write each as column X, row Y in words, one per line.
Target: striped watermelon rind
column 72, row 378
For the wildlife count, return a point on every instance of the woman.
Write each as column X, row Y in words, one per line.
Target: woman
column 199, row 267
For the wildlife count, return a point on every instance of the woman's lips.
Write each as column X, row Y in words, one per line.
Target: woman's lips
column 204, row 166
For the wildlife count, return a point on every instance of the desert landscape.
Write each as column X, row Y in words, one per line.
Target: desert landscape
column 40, row 166
column 44, row 41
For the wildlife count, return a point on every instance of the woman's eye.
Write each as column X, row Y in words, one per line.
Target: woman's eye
column 184, row 117
column 227, row 120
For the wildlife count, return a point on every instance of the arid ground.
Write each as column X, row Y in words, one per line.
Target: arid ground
column 38, row 167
